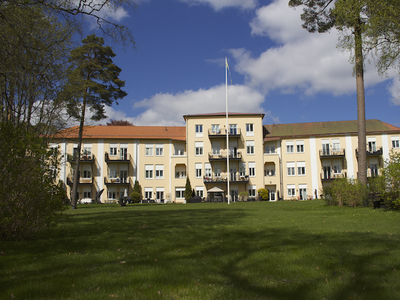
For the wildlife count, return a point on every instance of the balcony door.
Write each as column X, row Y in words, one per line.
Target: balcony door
column 124, row 153
column 327, row 172
column 325, row 148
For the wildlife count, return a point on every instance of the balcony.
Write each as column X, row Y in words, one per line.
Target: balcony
column 332, row 176
column 117, row 158
column 234, row 178
column 223, row 154
column 372, row 152
column 87, row 158
column 329, row 153
column 372, row 173
column 82, row 181
column 221, row 133
column 116, row 181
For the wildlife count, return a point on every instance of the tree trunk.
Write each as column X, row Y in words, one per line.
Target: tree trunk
column 74, row 199
column 362, row 133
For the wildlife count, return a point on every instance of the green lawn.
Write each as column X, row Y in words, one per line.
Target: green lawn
column 256, row 250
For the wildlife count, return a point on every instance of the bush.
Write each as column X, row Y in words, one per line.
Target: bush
column 136, row 197
column 29, row 194
column 345, row 192
column 243, row 195
column 264, row 194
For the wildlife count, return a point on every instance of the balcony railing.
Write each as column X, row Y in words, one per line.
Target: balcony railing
column 237, row 178
column 116, row 181
column 83, row 158
column 372, row 152
column 117, row 158
column 222, row 133
column 332, row 153
column 371, row 173
column 82, row 180
column 332, row 176
column 221, row 155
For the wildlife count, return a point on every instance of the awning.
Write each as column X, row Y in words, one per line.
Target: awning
column 215, row 190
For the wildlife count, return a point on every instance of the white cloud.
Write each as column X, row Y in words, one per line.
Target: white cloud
column 394, row 90
column 303, row 62
column 221, row 4
column 168, row 109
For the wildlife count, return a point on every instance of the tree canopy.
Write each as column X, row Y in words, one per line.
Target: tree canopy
column 119, row 123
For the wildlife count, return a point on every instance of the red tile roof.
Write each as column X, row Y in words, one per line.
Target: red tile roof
column 126, row 132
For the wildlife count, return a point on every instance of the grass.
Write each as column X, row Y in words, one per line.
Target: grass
column 258, row 250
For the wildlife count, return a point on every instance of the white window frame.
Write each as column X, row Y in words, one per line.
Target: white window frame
column 149, row 171
column 180, row 193
column 207, row 170
column 159, row 149
column 371, row 144
column 395, row 142
column 112, row 194
column 301, row 168
column 250, row 150
column 199, row 130
column 300, row 146
column 303, row 191
column 113, row 171
column 291, row 168
column 289, row 147
column 148, row 193
column 252, row 169
column 149, row 150
column 160, row 193
column 269, row 148
column 249, row 129
column 199, row 191
column 215, row 128
column 199, row 169
column 252, row 190
column 291, row 190
column 233, row 129
column 199, row 148
column 113, row 149
column 159, row 171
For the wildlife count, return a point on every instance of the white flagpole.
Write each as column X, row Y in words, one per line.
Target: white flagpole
column 227, row 127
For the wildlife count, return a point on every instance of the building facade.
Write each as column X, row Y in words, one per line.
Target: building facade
column 292, row 161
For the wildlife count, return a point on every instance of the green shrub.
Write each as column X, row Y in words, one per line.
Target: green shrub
column 243, row 195
column 136, row 197
column 29, row 193
column 347, row 192
column 264, row 194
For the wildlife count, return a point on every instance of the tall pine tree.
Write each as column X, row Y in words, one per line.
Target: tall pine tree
column 93, row 82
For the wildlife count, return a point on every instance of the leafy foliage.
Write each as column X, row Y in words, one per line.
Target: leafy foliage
column 137, row 192
column 344, row 192
column 264, row 194
column 119, row 123
column 29, row 194
column 188, row 189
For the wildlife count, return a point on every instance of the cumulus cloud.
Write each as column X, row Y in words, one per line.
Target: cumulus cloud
column 168, row 109
column 301, row 61
column 394, row 89
column 221, row 4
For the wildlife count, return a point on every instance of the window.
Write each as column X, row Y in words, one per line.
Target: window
column 249, row 129
column 232, row 129
column 291, row 191
column 87, row 151
column 395, row 142
column 250, row 147
column 269, row 148
column 242, row 169
column 200, row 191
column 335, row 144
column 123, row 151
column 300, row 146
column 113, row 149
column 301, row 168
column 123, row 176
column 112, row 194
column 180, row 174
column 303, row 191
column 180, row 193
column 215, row 129
column 53, row 149
column 269, row 172
column 198, row 170
column 179, row 150
column 159, row 171
column 252, row 169
column 159, row 193
column 149, row 150
column 199, row 130
column 113, row 172
column 159, row 150
column 148, row 193
column 217, row 170
column 337, row 169
column 87, row 194
column 371, row 145
column 252, row 191
column 207, row 171
column 149, row 171
column 87, row 174
column 198, row 148
column 216, row 148
column 291, row 169
column 289, row 147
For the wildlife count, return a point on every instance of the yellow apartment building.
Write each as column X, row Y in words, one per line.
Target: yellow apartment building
column 292, row 161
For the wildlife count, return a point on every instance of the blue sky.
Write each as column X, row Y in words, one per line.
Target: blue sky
column 276, row 66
